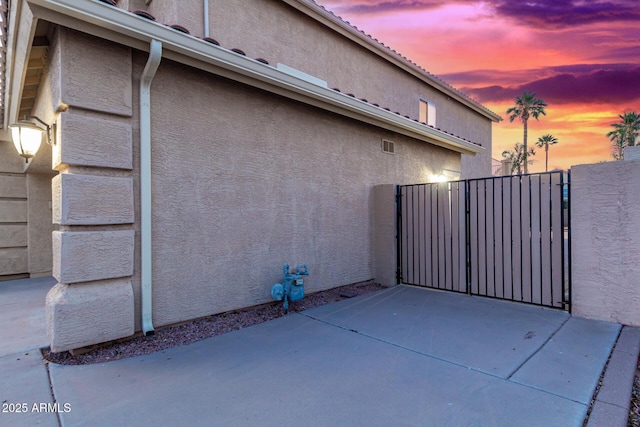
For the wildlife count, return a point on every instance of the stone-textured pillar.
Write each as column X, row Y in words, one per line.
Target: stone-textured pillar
column 384, row 234
column 605, row 241
column 93, row 200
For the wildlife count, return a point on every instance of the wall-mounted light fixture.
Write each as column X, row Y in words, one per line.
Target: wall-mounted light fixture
column 446, row 175
column 27, row 136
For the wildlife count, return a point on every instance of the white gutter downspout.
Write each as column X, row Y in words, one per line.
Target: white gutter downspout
column 155, row 54
column 206, row 18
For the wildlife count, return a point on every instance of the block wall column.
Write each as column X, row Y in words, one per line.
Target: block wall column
column 93, row 199
column 605, row 241
column 384, row 234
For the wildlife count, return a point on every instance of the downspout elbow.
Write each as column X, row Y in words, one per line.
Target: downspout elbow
column 155, row 55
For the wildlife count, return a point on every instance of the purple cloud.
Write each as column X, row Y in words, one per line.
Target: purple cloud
column 554, row 14
column 539, row 14
column 373, row 6
column 520, row 77
column 599, row 86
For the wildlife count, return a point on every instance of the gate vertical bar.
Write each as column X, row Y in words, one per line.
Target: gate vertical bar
column 550, row 197
column 558, row 239
column 569, row 284
column 398, row 234
column 524, row 226
column 562, row 226
column 467, row 203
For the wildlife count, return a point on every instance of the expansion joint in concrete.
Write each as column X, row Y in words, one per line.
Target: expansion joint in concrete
column 53, row 394
column 524, row 362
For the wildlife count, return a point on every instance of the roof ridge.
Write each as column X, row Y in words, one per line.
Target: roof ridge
column 409, row 62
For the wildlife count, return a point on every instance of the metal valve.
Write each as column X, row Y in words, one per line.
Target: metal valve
column 292, row 286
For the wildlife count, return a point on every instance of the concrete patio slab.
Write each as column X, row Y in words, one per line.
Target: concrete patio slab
column 606, row 415
column 299, row 371
column 402, row 356
column 23, row 384
column 566, row 364
column 619, row 379
column 491, row 336
column 611, row 407
column 22, row 315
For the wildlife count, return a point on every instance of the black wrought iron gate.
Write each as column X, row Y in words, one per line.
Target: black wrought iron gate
column 501, row 237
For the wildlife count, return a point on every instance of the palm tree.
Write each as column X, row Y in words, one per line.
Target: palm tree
column 625, row 133
column 545, row 141
column 618, row 142
column 517, row 157
column 526, row 106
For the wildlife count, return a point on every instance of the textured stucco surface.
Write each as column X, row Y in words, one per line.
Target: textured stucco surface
column 90, row 78
column 83, row 256
column 14, row 260
column 243, row 181
column 92, row 140
column 13, row 186
column 384, row 234
column 90, row 313
column 40, row 224
column 13, row 235
column 279, row 33
column 93, row 200
column 13, row 223
column 92, row 197
column 605, row 240
column 258, row 181
column 10, row 162
column 13, row 210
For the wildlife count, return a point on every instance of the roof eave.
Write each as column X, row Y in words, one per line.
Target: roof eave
column 118, row 25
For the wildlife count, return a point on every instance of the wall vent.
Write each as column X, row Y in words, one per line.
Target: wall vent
column 388, row 146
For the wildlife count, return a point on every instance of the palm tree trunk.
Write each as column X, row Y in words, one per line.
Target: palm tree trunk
column 524, row 142
column 546, row 157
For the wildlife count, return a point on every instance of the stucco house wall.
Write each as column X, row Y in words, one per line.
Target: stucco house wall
column 283, row 34
column 249, row 171
column 243, row 181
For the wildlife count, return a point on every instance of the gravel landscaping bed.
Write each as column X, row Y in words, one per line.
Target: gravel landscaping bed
column 207, row 327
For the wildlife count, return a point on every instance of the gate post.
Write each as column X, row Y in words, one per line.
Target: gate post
column 384, row 247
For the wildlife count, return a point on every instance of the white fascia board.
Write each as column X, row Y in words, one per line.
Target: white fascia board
column 21, row 31
column 115, row 24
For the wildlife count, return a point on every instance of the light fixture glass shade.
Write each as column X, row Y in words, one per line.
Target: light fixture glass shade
column 27, row 138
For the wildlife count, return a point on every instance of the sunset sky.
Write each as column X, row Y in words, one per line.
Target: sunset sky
column 582, row 57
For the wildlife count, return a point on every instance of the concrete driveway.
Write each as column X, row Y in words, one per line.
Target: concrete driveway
column 404, row 356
